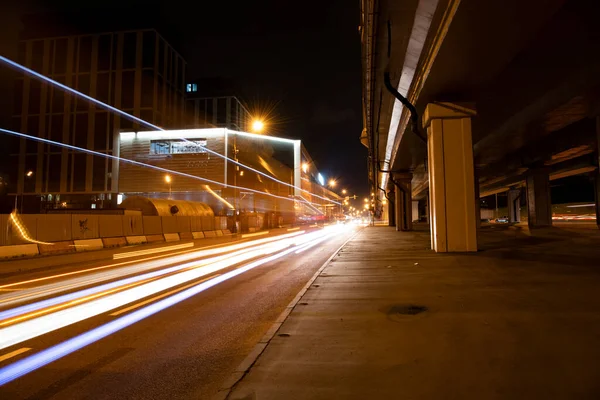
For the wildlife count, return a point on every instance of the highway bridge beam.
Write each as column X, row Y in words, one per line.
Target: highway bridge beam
column 451, row 177
column 539, row 204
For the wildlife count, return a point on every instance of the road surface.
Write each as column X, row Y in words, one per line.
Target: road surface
column 147, row 325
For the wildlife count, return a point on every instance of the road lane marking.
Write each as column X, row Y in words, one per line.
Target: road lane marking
column 293, row 229
column 247, row 235
column 133, row 307
column 14, row 353
column 152, row 251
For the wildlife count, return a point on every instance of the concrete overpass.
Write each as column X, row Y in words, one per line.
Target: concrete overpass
column 506, row 98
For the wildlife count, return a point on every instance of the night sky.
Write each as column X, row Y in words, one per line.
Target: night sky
column 303, row 59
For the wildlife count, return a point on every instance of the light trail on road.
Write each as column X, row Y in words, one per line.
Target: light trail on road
column 245, row 260
column 133, row 267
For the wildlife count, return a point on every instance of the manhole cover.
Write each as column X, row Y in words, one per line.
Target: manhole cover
column 404, row 312
column 408, row 309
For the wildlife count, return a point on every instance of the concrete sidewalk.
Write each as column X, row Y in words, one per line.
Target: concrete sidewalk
column 388, row 318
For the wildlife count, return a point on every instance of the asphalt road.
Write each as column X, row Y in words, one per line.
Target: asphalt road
column 184, row 351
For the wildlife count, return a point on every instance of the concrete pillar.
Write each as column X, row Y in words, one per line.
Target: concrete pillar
column 402, row 182
column 514, row 205
column 539, row 206
column 597, row 173
column 392, row 207
column 595, row 178
column 415, row 210
column 477, row 199
column 597, row 195
column 451, row 177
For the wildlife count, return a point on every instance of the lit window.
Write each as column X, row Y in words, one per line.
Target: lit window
column 194, row 87
column 177, row 146
column 188, row 87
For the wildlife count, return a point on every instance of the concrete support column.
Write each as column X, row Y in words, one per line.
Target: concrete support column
column 392, row 207
column 451, row 177
column 539, row 206
column 597, row 173
column 402, row 183
column 597, row 195
column 415, row 210
column 477, row 199
column 514, row 205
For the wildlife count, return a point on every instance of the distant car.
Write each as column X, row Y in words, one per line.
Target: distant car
column 502, row 220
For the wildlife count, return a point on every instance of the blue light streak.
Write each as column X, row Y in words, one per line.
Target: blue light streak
column 38, row 360
column 143, row 122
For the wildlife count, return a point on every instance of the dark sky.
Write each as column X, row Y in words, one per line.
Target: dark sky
column 301, row 57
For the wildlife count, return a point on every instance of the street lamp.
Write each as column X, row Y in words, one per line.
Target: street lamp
column 29, row 174
column 258, row 126
column 366, row 200
column 332, row 183
column 168, row 180
column 344, row 191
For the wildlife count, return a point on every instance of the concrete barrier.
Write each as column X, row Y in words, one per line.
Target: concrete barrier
column 198, row 235
column 136, row 239
column 110, row 226
column 88, row 244
column 210, row 234
column 195, row 224
column 186, row 236
column 183, row 224
column 169, row 224
column 114, row 242
column 152, row 225
column 57, row 247
column 132, row 225
column 19, row 250
column 171, row 237
column 226, row 232
column 84, row 226
column 155, row 238
column 53, row 227
column 219, row 232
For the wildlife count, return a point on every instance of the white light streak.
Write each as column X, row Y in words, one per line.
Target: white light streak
column 33, row 362
column 138, row 163
column 148, row 124
column 34, row 327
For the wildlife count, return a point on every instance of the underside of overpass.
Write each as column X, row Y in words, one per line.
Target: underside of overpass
column 506, row 93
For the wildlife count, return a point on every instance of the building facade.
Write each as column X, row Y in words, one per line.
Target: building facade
column 233, row 187
column 135, row 71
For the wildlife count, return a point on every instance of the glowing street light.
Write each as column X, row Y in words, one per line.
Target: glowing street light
column 344, row 191
column 168, row 180
column 258, row 126
column 29, row 173
column 332, row 183
column 305, row 167
column 366, row 200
